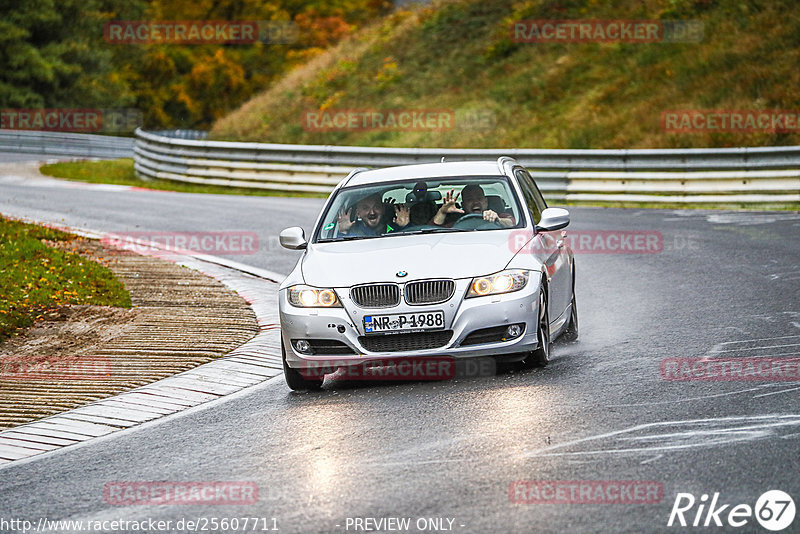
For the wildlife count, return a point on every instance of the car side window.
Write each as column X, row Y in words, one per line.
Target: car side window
column 533, row 198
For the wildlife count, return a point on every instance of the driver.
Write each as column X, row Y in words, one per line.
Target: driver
column 474, row 201
column 370, row 221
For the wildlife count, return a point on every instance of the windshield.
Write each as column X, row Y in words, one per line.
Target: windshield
column 449, row 204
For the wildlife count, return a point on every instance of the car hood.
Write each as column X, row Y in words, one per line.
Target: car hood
column 449, row 255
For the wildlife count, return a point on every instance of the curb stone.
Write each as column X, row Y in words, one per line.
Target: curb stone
column 252, row 363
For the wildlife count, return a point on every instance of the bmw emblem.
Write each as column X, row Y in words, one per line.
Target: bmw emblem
column 401, row 274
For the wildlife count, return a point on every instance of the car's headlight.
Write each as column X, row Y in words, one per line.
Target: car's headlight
column 502, row 282
column 313, row 297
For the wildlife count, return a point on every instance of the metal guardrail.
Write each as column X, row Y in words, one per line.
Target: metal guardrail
column 762, row 175
column 182, row 134
column 66, row 144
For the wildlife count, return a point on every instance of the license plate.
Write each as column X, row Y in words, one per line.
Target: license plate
column 403, row 322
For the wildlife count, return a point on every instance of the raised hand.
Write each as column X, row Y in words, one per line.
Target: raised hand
column 448, row 206
column 344, row 221
column 402, row 214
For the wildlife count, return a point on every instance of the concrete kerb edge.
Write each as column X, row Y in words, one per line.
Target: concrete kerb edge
column 182, row 257
column 143, row 426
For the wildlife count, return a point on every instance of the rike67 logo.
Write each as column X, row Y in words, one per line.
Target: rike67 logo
column 774, row 510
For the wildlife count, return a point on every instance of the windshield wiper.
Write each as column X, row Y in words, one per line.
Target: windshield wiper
column 389, row 234
column 425, row 231
column 437, row 230
column 346, row 238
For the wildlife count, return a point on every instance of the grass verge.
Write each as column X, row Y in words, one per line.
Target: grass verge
column 121, row 172
column 36, row 279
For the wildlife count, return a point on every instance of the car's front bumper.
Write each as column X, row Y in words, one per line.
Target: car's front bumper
column 462, row 317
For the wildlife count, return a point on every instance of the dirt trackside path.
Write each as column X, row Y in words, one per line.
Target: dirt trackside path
column 179, row 320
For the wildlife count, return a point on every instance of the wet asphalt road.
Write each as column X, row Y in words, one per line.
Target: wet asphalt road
column 723, row 284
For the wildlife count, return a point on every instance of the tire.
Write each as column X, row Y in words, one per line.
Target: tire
column 541, row 356
column 571, row 332
column 295, row 380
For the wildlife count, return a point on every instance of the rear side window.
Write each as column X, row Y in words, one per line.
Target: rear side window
column 533, row 197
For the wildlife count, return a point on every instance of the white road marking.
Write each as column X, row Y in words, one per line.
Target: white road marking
column 794, row 336
column 651, row 459
column 755, row 427
column 691, row 399
column 775, row 392
column 759, row 348
column 749, row 219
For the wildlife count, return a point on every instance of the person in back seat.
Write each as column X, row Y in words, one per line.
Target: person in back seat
column 422, row 212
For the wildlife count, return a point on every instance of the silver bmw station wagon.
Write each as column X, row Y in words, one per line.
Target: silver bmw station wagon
column 456, row 259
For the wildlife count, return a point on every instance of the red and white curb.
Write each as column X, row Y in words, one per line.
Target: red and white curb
column 252, row 363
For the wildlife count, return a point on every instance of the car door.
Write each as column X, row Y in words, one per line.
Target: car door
column 556, row 258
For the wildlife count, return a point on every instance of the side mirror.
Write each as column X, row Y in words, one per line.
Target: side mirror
column 293, row 238
column 553, row 219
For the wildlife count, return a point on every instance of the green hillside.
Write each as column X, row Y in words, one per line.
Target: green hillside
column 459, row 56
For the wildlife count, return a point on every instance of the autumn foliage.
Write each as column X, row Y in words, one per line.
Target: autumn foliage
column 53, row 54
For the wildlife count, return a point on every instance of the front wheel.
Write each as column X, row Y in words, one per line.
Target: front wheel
column 295, row 379
column 541, row 356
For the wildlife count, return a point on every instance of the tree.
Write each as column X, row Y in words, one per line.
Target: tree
column 51, row 55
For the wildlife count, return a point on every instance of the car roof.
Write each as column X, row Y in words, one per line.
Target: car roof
column 425, row 170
